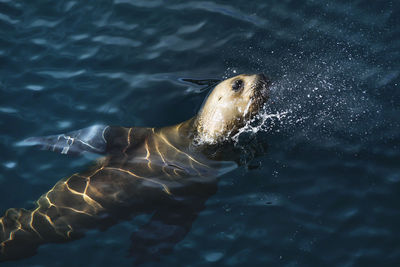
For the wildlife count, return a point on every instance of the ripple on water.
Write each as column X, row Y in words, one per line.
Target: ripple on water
column 118, row 41
column 186, row 29
column 62, row 74
column 225, row 10
column 10, row 164
column 7, row 19
column 34, row 87
column 213, row 256
column 174, row 43
column 141, row 3
column 8, row 110
column 41, row 23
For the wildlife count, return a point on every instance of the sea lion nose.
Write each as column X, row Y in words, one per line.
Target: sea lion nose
column 264, row 78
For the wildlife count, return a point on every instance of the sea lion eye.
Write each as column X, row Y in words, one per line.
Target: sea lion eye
column 237, row 85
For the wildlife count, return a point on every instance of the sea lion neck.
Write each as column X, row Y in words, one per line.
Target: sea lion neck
column 181, row 134
column 185, row 136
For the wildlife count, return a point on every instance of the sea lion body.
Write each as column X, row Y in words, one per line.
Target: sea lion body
column 159, row 171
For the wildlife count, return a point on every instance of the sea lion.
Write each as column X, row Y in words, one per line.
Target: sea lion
column 168, row 172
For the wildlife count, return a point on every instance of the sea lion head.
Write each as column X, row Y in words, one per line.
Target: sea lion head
column 230, row 105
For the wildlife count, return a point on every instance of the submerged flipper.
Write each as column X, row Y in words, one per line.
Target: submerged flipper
column 97, row 139
column 159, row 236
column 90, row 139
column 170, row 223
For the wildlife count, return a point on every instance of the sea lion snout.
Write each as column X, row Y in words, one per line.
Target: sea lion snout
column 263, row 78
column 263, row 85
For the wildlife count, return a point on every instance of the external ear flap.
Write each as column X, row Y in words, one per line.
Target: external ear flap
column 89, row 140
column 208, row 83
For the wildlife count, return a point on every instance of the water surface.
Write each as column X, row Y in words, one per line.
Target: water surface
column 328, row 191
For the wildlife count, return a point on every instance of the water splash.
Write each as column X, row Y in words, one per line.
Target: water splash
column 316, row 104
column 262, row 122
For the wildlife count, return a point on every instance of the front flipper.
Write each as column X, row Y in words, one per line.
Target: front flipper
column 166, row 228
column 91, row 139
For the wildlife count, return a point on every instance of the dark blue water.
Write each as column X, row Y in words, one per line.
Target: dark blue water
column 328, row 191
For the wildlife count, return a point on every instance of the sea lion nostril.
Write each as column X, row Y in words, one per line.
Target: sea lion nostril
column 263, row 82
column 263, row 85
column 263, row 78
